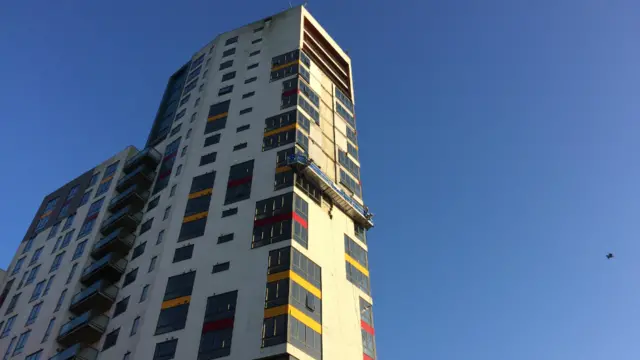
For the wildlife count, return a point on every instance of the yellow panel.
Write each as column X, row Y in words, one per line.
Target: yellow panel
column 276, row 68
column 298, row 279
column 282, row 169
column 195, row 217
column 46, row 214
column 216, row 117
column 279, row 130
column 175, row 302
column 356, row 264
column 200, row 193
column 276, row 311
column 106, row 180
column 303, row 318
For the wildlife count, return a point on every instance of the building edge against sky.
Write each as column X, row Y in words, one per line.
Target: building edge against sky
column 239, row 232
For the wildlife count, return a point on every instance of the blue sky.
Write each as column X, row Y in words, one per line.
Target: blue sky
column 499, row 143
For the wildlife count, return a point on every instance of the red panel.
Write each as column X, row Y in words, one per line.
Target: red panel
column 367, row 357
column 273, row 219
column 164, row 175
column 366, row 327
column 302, row 221
column 91, row 217
column 291, row 92
column 170, row 156
column 237, row 182
column 217, row 325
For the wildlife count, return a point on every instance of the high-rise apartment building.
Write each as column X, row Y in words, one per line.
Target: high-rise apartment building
column 238, row 232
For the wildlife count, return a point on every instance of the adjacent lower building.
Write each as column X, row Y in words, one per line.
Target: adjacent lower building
column 238, row 232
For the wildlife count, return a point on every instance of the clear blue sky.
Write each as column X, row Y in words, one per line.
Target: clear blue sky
column 499, row 146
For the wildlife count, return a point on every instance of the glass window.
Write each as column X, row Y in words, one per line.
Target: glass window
column 167, row 212
column 134, row 326
column 111, row 339
column 69, row 222
column 37, row 291
column 49, row 329
column 72, row 273
column 22, row 341
column 32, row 275
column 8, row 326
column 248, row 95
column 36, row 256
column 145, row 293
column 173, row 190
column 94, row 179
column 121, row 306
column 56, row 262
column 254, row 53
column 50, row 205
column 152, row 264
column 250, row 80
column 220, row 267
column 79, row 250
column 252, row 66
column 18, row 266
column 60, row 300
column 54, row 230
column 33, row 315
column 48, row 286
column 228, row 76
column 160, row 237
column 130, row 277
column 232, row 40
column 42, row 223
column 85, row 197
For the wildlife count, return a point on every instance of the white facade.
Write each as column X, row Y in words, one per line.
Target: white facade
column 247, row 274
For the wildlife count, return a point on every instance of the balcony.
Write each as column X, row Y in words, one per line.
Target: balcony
column 108, row 268
column 135, row 197
column 142, row 176
column 119, row 242
column 126, row 218
column 98, row 297
column 77, row 352
column 148, row 156
column 86, row 329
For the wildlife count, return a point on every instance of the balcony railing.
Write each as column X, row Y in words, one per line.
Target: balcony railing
column 142, row 176
column 76, row 352
column 98, row 297
column 118, row 241
column 147, row 156
column 86, row 329
column 126, row 218
column 134, row 197
column 108, row 268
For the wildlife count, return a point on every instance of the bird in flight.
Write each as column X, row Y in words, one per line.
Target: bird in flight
column 609, row 256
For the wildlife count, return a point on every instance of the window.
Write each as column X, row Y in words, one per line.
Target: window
column 144, row 293
column 200, row 89
column 193, row 117
column 184, row 151
column 37, row 291
column 146, row 226
column 229, row 52
column 67, row 239
column 258, row 29
column 232, row 40
column 179, row 169
column 206, row 72
column 33, row 315
column 167, row 212
column 228, row 76
column 220, row 267
column 246, row 110
column 250, row 80
column 55, row 246
column 350, row 183
column 121, row 306
column 134, row 326
column 255, row 53
column 165, row 350
column 138, row 250
column 10, row 348
column 248, row 95
column 208, row 158
column 252, row 66
column 8, row 326
column 211, row 140
column 179, row 285
column 36, row 256
column 72, row 273
column 240, row 146
column 172, row 319
column 18, row 266
column 176, row 130
column 361, row 232
column 79, row 250
column 103, row 188
column 49, row 329
column 274, row 330
column 24, row 276
column 258, row 40
column 225, row 90
column 12, row 303
column 130, row 277
column 184, row 100
column 240, row 180
column 111, row 169
column 160, row 237
column 56, row 262
column 28, row 245
column 192, row 85
column 183, row 253
column 94, row 179
column 111, row 339
column 32, row 275
column 152, row 264
column 54, row 229
column 87, row 227
column 60, row 300
column 22, row 341
column 243, row 128
column 50, row 205
column 48, row 286
column 69, row 222
column 226, row 64
column 42, row 223
column 225, row 238
column 153, row 203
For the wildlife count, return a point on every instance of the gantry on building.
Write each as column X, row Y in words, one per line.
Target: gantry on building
column 238, row 232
